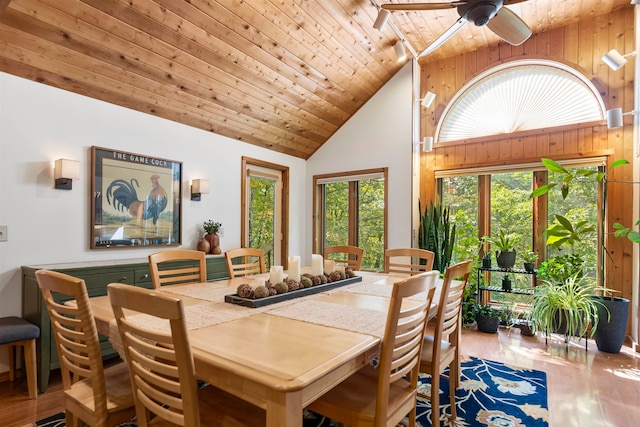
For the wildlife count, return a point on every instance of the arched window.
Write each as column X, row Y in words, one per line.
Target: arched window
column 518, row 96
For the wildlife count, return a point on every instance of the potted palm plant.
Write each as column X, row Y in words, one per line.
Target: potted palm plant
column 505, row 247
column 610, row 319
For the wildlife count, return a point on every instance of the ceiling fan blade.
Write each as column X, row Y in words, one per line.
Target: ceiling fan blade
column 444, row 37
column 509, row 2
column 422, row 6
column 509, row 27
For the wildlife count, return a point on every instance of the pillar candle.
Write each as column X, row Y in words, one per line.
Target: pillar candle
column 316, row 264
column 329, row 265
column 294, row 268
column 258, row 281
column 276, row 274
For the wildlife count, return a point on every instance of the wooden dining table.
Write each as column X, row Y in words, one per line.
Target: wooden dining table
column 283, row 356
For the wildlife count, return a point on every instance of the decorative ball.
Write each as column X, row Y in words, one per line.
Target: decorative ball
column 323, row 278
column 334, row 276
column 293, row 285
column 272, row 291
column 244, row 291
column 349, row 272
column 281, row 288
column 342, row 275
column 306, row 282
column 260, row 292
column 316, row 280
column 309, row 275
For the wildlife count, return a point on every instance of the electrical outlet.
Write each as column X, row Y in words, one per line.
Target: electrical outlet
column 3, row 233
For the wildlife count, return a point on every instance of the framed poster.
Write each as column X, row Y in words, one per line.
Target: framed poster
column 135, row 200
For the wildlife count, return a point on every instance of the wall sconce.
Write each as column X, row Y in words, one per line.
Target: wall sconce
column 615, row 60
column 199, row 187
column 614, row 117
column 428, row 99
column 64, row 172
column 381, row 20
column 401, row 53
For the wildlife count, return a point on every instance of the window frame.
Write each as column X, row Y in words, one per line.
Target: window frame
column 318, row 204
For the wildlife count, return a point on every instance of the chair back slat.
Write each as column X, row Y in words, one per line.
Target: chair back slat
column 177, row 266
column 245, row 262
column 348, row 256
column 408, row 261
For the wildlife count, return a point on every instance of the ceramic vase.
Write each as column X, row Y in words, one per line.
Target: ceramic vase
column 214, row 243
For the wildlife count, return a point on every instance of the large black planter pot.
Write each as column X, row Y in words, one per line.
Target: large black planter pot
column 488, row 324
column 506, row 259
column 610, row 333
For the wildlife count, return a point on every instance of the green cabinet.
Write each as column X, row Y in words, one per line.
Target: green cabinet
column 97, row 275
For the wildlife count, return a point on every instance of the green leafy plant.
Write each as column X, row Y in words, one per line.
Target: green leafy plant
column 555, row 269
column 437, row 234
column 488, row 310
column 211, row 227
column 503, row 241
column 567, row 307
column 529, row 256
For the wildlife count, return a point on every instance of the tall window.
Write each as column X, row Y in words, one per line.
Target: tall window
column 351, row 210
column 506, row 195
column 460, row 195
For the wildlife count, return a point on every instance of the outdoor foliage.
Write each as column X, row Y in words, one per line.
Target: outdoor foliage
column 370, row 224
column 261, row 215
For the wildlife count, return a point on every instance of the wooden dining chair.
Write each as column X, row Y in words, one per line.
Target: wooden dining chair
column 383, row 395
column 92, row 394
column 442, row 348
column 166, row 391
column 409, row 261
column 349, row 256
column 245, row 262
column 177, row 266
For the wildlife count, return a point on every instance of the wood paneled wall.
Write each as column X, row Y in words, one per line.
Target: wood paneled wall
column 581, row 46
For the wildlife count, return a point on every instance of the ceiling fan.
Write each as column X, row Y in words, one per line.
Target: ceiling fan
column 502, row 21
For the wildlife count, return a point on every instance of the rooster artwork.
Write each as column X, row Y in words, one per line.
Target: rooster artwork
column 122, row 195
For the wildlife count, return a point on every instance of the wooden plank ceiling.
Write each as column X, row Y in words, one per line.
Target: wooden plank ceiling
column 280, row 74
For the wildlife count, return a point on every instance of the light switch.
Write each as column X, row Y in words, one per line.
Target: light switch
column 3, row 233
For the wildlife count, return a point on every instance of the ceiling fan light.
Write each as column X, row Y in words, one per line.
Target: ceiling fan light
column 381, row 20
column 481, row 13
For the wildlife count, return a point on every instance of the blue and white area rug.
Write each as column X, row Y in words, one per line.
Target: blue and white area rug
column 491, row 394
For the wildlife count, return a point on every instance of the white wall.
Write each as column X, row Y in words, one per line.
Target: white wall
column 39, row 124
column 378, row 135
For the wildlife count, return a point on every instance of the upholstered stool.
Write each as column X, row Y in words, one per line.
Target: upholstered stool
column 16, row 331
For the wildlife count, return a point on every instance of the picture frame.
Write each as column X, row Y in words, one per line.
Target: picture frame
column 135, row 200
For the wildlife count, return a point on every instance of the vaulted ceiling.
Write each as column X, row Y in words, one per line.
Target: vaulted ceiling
column 280, row 74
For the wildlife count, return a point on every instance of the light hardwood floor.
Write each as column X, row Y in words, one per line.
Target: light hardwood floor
column 586, row 389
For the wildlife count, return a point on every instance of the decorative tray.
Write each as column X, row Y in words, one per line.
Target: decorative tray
column 261, row 302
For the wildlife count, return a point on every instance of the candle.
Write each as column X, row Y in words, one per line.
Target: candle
column 294, row 268
column 329, row 265
column 316, row 264
column 276, row 274
column 258, row 281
